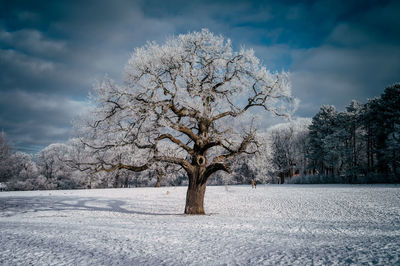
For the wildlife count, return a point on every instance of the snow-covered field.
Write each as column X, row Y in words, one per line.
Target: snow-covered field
column 273, row 224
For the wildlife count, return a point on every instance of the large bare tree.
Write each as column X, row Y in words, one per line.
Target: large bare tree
column 192, row 102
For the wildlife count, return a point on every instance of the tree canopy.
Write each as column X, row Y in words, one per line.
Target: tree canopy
column 188, row 103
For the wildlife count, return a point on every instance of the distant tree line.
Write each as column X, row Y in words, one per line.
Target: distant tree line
column 358, row 145
column 58, row 166
column 21, row 171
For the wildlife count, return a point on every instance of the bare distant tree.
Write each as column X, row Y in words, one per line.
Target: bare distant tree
column 288, row 142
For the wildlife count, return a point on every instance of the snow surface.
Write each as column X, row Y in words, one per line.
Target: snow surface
column 273, row 224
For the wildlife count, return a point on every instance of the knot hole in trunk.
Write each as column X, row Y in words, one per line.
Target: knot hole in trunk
column 201, row 160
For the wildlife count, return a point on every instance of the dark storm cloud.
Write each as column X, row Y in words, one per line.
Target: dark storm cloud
column 51, row 52
column 37, row 119
column 356, row 60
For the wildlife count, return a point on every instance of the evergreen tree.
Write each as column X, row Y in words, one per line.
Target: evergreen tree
column 390, row 131
column 322, row 126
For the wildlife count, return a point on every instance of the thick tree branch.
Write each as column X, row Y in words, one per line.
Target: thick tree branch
column 167, row 159
column 182, row 112
column 212, row 168
column 177, row 142
column 185, row 130
column 209, row 145
column 242, row 149
column 122, row 166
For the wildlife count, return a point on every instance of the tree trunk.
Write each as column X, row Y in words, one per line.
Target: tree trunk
column 198, row 175
column 126, row 183
column 195, row 199
column 369, row 164
column 160, row 174
column 196, row 190
column 158, row 183
column 116, row 181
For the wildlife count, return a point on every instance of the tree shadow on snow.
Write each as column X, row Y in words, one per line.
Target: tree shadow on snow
column 20, row 205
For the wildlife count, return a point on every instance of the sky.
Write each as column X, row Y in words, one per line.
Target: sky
column 53, row 52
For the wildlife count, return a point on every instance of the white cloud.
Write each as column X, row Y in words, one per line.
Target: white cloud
column 24, row 63
column 55, row 104
column 31, row 42
column 274, row 57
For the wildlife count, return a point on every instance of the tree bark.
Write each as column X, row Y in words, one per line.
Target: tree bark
column 198, row 173
column 197, row 187
column 195, row 199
